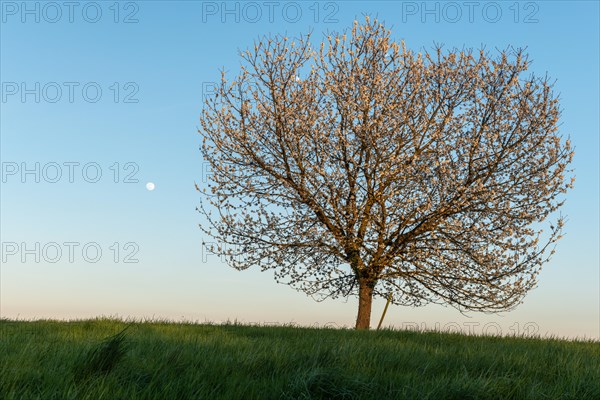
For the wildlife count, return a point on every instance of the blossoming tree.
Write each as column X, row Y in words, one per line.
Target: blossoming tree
column 362, row 168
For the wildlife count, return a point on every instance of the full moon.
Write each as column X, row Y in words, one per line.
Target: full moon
column 150, row 186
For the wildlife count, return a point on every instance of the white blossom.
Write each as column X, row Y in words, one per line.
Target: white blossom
column 426, row 175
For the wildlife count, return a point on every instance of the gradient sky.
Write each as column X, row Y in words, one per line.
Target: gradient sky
column 151, row 60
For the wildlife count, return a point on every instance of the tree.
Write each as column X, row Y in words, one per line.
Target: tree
column 363, row 168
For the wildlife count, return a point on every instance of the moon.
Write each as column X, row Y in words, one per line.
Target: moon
column 150, row 186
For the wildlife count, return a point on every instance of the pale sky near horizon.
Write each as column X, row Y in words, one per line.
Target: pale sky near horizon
column 100, row 98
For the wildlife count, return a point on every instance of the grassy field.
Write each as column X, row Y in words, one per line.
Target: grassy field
column 111, row 359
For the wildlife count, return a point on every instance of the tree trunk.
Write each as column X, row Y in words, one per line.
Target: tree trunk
column 365, row 300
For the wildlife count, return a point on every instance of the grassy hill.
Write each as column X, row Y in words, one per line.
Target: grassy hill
column 112, row 359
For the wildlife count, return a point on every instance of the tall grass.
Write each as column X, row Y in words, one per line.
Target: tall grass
column 100, row 359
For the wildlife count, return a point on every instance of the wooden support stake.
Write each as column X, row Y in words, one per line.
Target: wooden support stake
column 384, row 311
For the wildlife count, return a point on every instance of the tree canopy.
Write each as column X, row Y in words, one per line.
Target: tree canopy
column 360, row 167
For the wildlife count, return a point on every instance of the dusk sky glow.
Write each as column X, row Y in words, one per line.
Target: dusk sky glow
column 99, row 151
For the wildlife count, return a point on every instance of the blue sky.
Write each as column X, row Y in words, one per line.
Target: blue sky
column 151, row 66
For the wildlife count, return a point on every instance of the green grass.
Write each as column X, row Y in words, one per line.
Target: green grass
column 112, row 359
